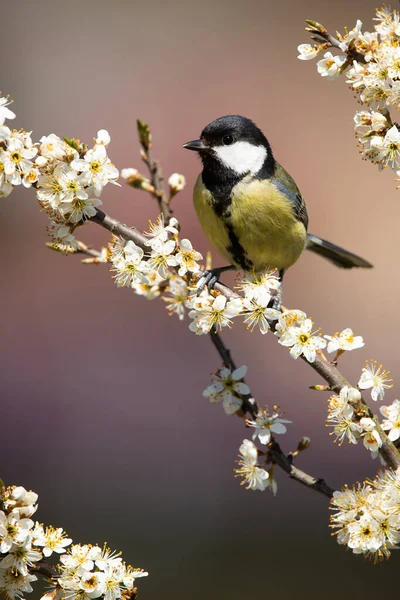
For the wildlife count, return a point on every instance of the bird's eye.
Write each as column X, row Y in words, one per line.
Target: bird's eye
column 227, row 140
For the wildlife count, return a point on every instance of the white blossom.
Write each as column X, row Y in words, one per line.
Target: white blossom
column 96, row 168
column 13, row 530
column 373, row 376
column 162, row 257
column 62, row 237
column 330, row 65
column 228, row 387
column 351, row 36
column 259, row 286
column 391, row 424
column 159, row 232
column 257, row 314
column 208, row 312
column 53, row 540
column 52, row 147
column 186, row 258
column 103, row 138
column 301, row 340
column 80, row 209
column 344, row 341
column 20, row 557
column 265, row 424
column 307, row 52
column 176, row 296
column 17, row 498
column 130, row 267
column 5, row 112
column 254, row 477
column 13, row 585
column 289, row 319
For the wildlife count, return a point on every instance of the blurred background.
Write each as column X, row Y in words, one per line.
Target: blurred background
column 101, row 392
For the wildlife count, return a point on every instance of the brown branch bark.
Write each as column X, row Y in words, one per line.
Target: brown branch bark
column 46, row 570
column 118, row 228
column 83, row 249
column 283, row 461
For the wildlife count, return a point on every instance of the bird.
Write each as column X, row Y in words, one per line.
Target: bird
column 249, row 207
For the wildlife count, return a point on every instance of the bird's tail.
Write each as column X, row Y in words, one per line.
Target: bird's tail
column 338, row 256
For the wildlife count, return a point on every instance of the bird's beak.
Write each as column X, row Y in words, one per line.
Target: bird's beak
column 196, row 145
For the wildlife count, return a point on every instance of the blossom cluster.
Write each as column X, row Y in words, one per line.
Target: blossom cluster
column 69, row 178
column 371, row 64
column 257, row 292
column 366, row 518
column 163, row 267
column 83, row 571
column 93, row 572
column 349, row 419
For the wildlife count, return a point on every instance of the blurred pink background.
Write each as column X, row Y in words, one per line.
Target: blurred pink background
column 102, row 407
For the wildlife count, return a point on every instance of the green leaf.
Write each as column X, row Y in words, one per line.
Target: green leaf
column 314, row 26
column 144, row 134
column 73, row 143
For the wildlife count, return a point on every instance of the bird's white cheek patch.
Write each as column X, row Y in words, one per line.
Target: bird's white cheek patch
column 242, row 157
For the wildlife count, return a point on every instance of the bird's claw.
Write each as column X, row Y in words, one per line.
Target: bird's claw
column 207, row 278
column 276, row 301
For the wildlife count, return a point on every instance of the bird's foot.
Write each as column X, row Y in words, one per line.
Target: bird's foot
column 209, row 279
column 276, row 301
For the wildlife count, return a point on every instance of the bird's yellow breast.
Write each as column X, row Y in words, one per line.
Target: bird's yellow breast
column 261, row 217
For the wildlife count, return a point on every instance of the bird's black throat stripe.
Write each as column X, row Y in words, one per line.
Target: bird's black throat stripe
column 220, row 185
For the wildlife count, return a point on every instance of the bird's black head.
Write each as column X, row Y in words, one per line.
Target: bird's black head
column 235, row 145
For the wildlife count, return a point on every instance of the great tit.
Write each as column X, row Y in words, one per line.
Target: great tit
column 249, row 207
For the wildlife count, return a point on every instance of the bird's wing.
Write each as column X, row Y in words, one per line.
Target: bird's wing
column 285, row 184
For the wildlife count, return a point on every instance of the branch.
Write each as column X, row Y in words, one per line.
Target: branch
column 321, row 365
column 117, row 228
column 83, row 249
column 249, row 404
column 275, row 453
column 154, row 168
column 283, row 461
column 336, row 382
column 322, row 35
column 46, row 570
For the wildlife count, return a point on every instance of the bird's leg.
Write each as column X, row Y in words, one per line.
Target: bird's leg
column 277, row 300
column 210, row 278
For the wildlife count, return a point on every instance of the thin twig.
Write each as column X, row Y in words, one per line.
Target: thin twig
column 83, row 249
column 332, row 42
column 156, row 178
column 249, row 404
column 275, row 452
column 283, row 461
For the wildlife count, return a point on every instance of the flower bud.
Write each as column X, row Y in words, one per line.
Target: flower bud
column 176, row 183
column 136, row 180
column 301, row 446
column 319, row 388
